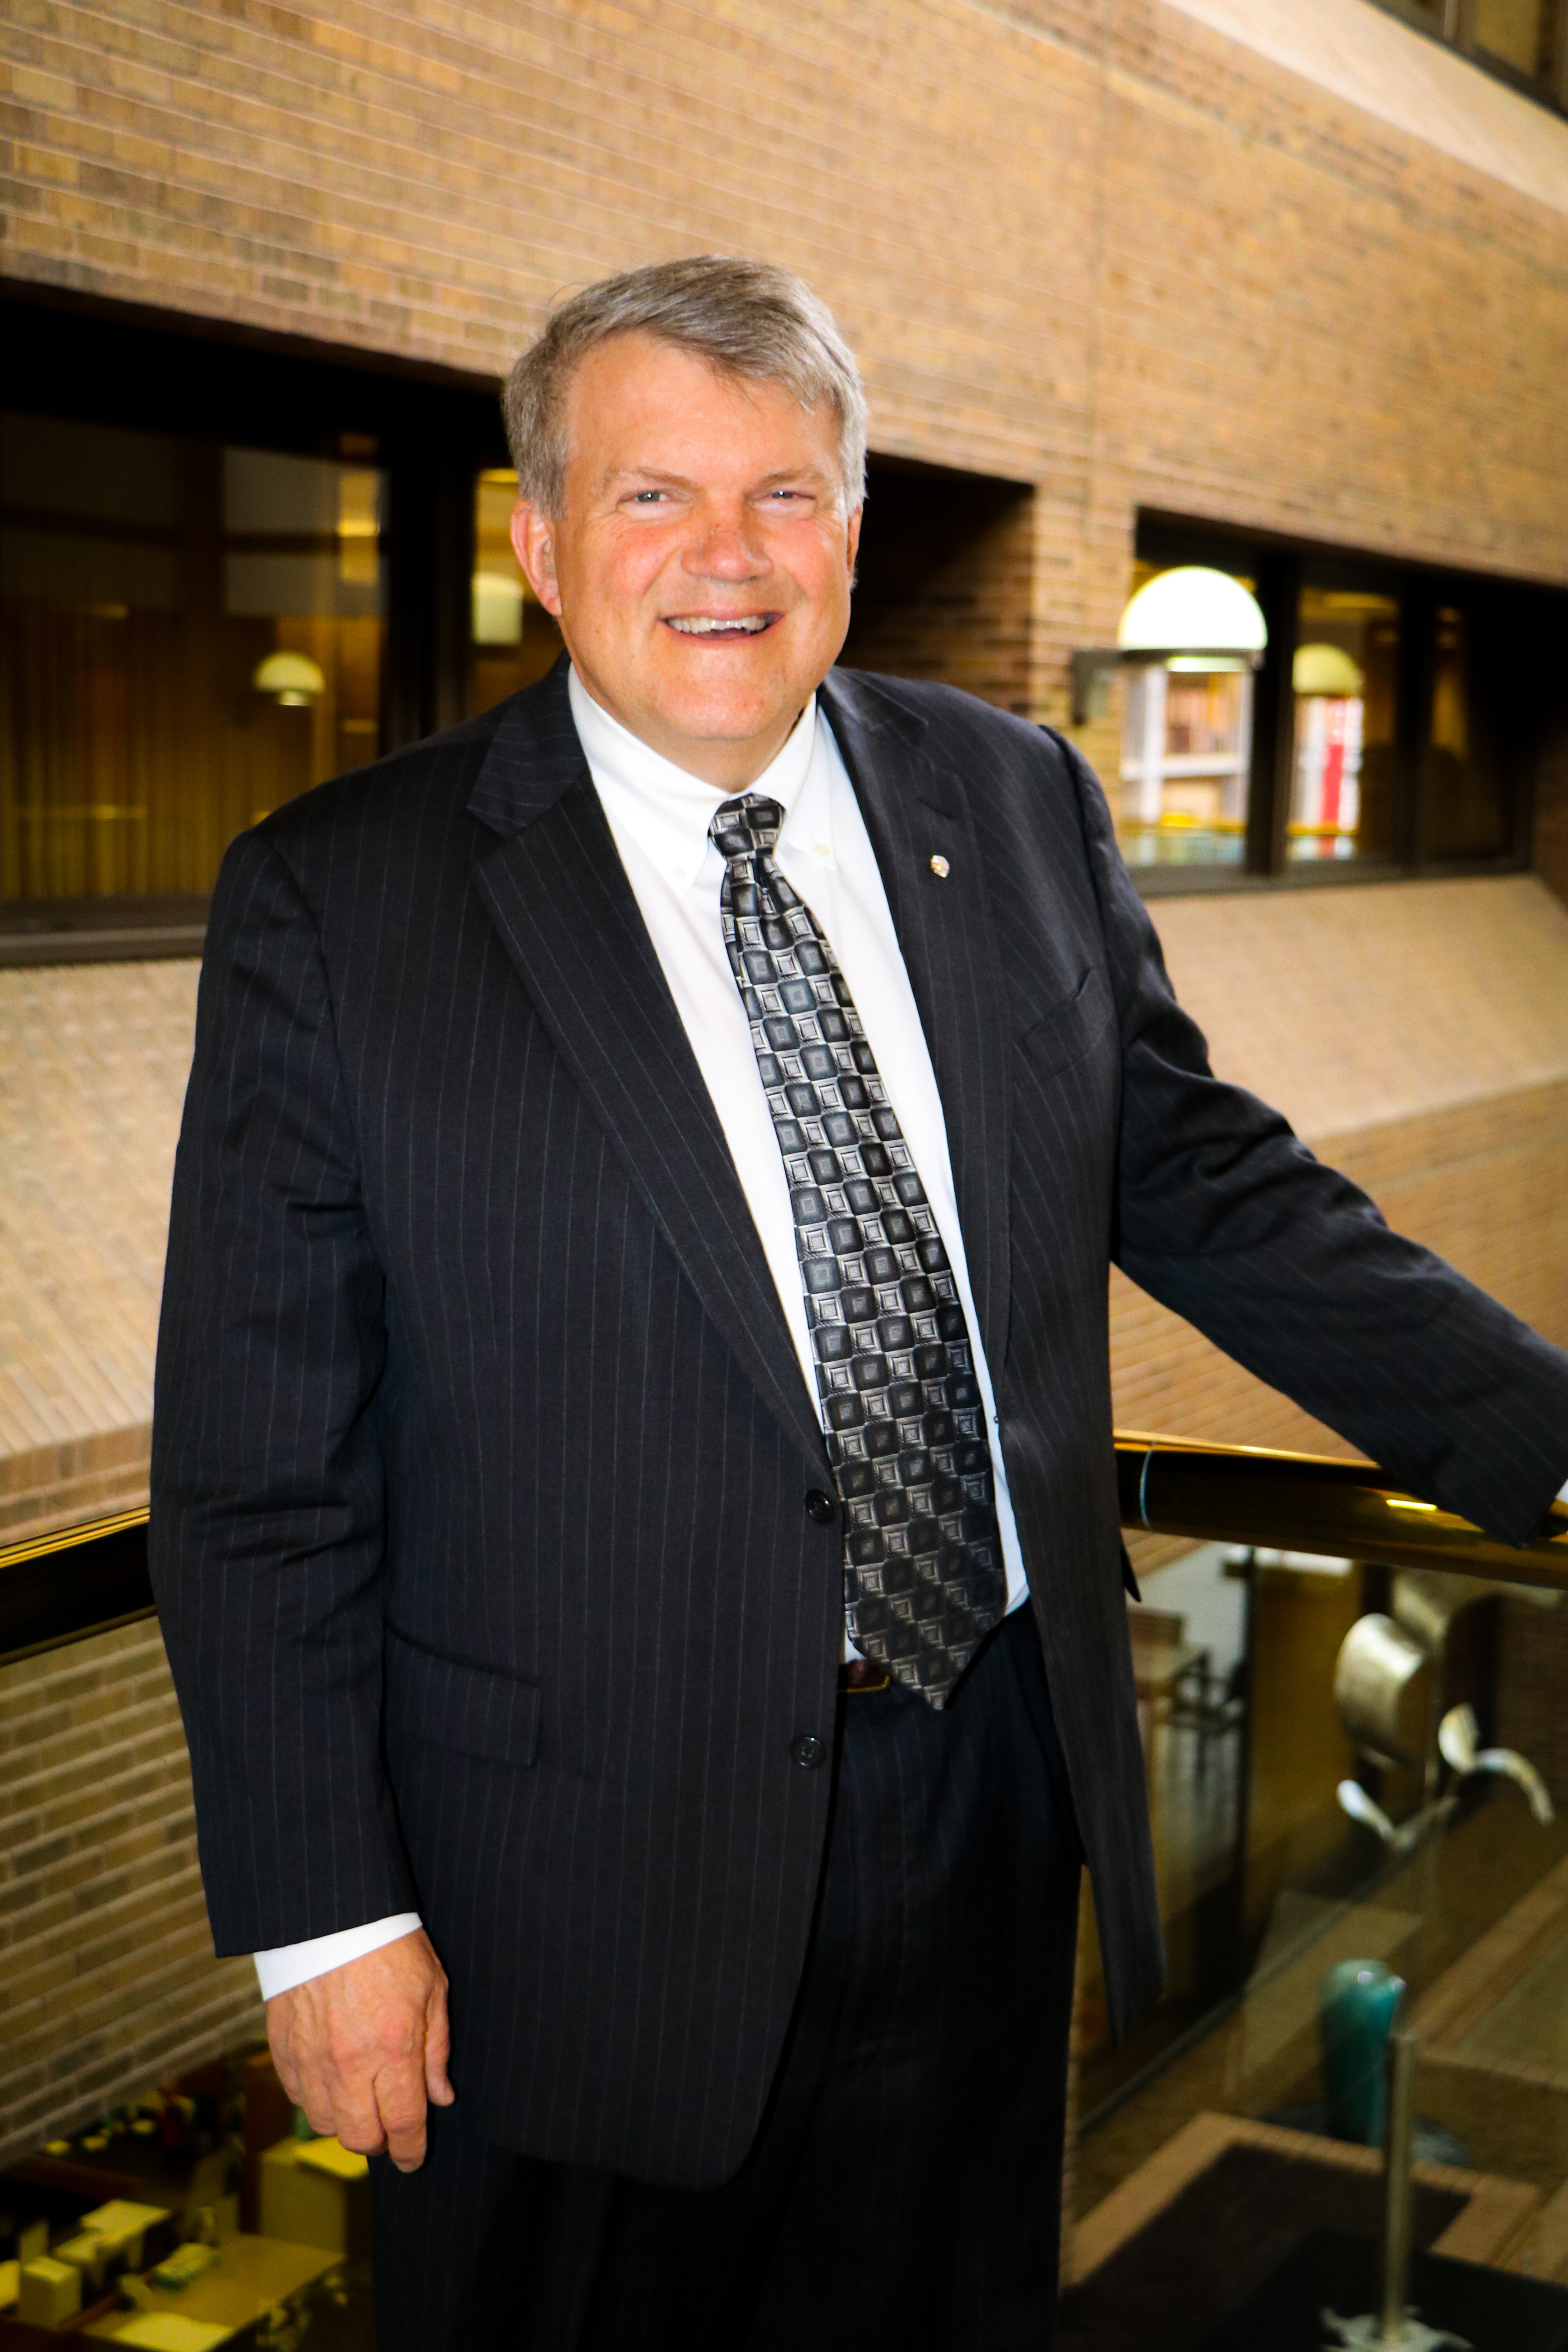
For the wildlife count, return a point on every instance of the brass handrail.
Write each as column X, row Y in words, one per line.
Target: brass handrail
column 1315, row 1502
column 86, row 1531
column 73, row 1582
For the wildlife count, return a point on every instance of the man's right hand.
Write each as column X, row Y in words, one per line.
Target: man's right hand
column 364, row 2047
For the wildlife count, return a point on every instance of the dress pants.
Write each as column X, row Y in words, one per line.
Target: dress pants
column 904, row 2186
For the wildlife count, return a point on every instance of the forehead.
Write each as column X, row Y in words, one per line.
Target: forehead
column 638, row 404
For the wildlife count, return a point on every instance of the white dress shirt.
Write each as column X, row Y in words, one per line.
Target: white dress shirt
column 658, row 818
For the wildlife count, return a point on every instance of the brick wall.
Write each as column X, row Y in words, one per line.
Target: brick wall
column 1108, row 250
column 107, row 1984
column 92, row 1074
column 965, row 617
column 80, row 1478
column 1416, row 1036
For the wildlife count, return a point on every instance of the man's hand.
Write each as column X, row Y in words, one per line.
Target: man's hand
column 364, row 2047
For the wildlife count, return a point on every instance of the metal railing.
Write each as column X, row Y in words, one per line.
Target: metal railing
column 78, row 1581
column 1313, row 1503
column 61, row 1587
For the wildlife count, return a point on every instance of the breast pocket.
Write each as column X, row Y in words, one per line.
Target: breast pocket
column 476, row 1710
column 1067, row 1031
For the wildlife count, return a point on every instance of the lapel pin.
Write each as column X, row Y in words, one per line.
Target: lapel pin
column 941, row 869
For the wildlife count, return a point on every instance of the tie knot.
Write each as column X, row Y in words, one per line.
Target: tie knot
column 741, row 828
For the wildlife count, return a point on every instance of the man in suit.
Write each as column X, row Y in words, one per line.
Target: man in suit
column 635, row 1520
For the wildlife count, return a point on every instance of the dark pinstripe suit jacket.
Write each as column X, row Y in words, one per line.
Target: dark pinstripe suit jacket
column 481, row 1446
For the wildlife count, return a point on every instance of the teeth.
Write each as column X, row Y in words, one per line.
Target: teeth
column 697, row 624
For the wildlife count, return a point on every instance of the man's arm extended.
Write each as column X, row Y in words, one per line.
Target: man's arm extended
column 1225, row 1217
column 267, row 1529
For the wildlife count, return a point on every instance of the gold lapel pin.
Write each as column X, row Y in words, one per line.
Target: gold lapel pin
column 941, row 869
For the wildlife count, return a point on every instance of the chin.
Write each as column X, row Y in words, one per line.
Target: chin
column 718, row 712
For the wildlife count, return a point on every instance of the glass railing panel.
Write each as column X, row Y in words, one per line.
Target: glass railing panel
column 1398, row 1877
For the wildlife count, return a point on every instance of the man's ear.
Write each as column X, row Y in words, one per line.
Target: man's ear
column 852, row 533
column 533, row 544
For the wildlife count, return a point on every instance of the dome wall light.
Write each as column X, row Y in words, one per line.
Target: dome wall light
column 1326, row 669
column 293, row 679
column 1192, row 610
column 1191, row 617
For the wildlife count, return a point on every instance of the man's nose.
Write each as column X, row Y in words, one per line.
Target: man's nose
column 726, row 545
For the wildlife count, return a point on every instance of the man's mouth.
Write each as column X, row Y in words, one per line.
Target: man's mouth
column 727, row 624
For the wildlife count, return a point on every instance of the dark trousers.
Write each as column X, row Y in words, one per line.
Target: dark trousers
column 904, row 2188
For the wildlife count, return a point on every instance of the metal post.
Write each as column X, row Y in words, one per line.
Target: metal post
column 1398, row 2191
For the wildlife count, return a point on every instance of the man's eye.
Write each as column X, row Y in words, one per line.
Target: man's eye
column 645, row 497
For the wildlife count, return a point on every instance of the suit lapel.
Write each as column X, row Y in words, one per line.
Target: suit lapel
column 914, row 810
column 556, row 890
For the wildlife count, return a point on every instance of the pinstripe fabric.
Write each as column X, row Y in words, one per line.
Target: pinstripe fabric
column 481, row 1445
column 906, row 2183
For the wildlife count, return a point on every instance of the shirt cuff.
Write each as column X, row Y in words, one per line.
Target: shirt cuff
column 288, row 1965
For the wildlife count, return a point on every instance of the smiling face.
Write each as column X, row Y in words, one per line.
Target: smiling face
column 700, row 564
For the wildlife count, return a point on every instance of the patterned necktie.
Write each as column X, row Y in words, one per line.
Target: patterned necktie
column 895, row 1363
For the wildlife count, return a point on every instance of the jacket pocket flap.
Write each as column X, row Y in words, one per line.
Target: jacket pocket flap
column 478, row 1710
column 1066, row 1032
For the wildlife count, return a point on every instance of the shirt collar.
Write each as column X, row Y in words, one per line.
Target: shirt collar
column 667, row 811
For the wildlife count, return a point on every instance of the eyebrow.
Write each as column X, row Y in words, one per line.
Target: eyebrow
column 656, row 475
column 647, row 473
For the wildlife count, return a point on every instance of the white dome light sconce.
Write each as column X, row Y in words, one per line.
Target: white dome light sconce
column 1189, row 618
column 292, row 679
column 1326, row 670
column 1190, row 611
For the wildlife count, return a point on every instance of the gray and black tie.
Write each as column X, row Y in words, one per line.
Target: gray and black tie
column 895, row 1361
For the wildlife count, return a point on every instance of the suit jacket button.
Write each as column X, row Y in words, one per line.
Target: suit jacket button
column 820, row 1507
column 808, row 1752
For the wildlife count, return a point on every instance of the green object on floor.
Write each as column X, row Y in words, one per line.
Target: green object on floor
column 1356, row 2009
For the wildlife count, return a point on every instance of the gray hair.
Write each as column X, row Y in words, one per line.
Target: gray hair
column 745, row 317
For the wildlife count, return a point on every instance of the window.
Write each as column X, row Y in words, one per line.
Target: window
column 1184, row 760
column 1521, row 33
column 1186, row 742
column 1345, row 695
column 1392, row 723
column 1464, row 798
column 193, row 634
column 1523, row 42
column 227, row 572
column 514, row 639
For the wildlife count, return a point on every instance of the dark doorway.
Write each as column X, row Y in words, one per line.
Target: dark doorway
column 945, row 579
